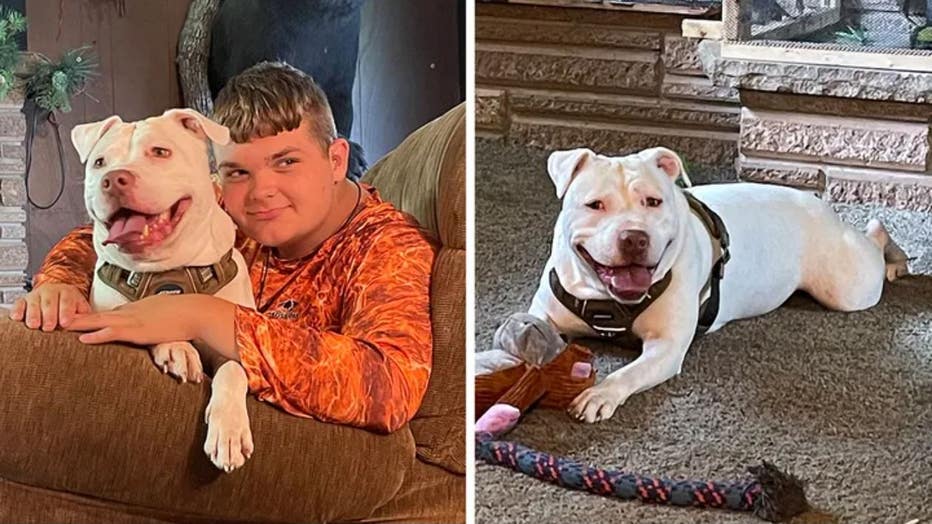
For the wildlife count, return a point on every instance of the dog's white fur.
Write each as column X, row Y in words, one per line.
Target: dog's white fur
column 782, row 240
column 204, row 234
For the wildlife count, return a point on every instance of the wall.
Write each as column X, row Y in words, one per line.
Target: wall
column 854, row 135
column 558, row 77
column 410, row 55
column 408, row 70
column 14, row 255
column 137, row 79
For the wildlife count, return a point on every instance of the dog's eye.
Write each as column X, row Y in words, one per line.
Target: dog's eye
column 99, row 162
column 161, row 152
column 596, row 204
column 653, row 202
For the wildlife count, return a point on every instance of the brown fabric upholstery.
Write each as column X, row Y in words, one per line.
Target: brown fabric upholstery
column 426, row 176
column 423, row 496
column 30, row 505
column 97, row 434
column 102, row 421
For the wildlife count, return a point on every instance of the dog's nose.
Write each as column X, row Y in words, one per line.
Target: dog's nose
column 119, row 180
column 634, row 243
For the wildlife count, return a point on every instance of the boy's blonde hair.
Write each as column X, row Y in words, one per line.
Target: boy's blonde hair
column 271, row 97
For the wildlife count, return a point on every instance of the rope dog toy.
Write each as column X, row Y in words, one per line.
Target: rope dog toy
column 769, row 494
column 549, row 374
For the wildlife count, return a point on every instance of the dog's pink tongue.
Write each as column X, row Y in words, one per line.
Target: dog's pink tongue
column 124, row 229
column 629, row 282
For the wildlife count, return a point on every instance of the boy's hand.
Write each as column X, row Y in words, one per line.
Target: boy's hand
column 49, row 306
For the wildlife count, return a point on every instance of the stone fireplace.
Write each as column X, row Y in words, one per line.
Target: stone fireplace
column 849, row 124
column 849, row 119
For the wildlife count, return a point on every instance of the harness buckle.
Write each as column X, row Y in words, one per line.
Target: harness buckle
column 596, row 318
column 607, row 332
column 205, row 273
column 719, row 270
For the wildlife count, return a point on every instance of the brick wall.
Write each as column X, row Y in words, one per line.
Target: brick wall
column 14, row 255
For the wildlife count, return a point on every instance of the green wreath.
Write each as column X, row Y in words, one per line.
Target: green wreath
column 12, row 23
column 52, row 85
column 47, row 86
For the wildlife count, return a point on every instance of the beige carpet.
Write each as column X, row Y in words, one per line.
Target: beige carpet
column 842, row 400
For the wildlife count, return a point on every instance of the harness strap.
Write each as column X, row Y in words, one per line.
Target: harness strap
column 708, row 310
column 206, row 280
column 609, row 318
column 613, row 320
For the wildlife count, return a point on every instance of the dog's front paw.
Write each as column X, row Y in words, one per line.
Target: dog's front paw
column 180, row 359
column 229, row 438
column 596, row 404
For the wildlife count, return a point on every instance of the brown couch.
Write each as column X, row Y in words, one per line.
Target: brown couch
column 97, row 434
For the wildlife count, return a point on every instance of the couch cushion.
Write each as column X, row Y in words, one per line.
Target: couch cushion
column 31, row 505
column 103, row 421
column 425, row 176
column 429, row 494
column 439, row 427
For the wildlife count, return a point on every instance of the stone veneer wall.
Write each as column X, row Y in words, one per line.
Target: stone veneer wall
column 561, row 77
column 854, row 135
column 557, row 77
column 14, row 255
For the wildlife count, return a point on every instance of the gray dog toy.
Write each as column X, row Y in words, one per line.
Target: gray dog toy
column 522, row 338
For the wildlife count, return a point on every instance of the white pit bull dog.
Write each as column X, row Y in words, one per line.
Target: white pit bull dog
column 159, row 229
column 632, row 255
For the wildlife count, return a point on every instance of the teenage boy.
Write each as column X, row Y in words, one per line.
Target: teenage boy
column 341, row 279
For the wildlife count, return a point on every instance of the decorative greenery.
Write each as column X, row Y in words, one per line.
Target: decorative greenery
column 921, row 37
column 47, row 86
column 12, row 23
column 853, row 36
column 52, row 85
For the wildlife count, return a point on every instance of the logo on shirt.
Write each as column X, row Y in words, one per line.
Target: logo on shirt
column 286, row 310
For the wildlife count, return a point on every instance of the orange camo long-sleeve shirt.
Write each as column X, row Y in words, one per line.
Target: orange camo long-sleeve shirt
column 342, row 335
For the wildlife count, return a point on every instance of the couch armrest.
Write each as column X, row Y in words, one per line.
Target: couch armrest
column 102, row 421
column 426, row 176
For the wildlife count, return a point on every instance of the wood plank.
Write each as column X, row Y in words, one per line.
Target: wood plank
column 96, row 23
column 830, row 57
column 708, row 29
column 50, row 37
column 137, row 79
column 140, row 65
column 644, row 7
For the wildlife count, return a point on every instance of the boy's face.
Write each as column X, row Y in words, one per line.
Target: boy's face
column 280, row 189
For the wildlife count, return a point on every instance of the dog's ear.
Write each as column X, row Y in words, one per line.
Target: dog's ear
column 667, row 161
column 85, row 136
column 200, row 125
column 563, row 165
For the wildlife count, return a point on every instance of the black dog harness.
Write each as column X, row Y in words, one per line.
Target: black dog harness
column 192, row 279
column 613, row 320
